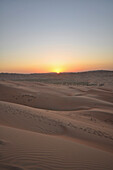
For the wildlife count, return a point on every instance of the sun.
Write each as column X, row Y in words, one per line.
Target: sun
column 57, row 70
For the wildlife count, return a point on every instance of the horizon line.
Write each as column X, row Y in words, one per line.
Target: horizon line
column 56, row 72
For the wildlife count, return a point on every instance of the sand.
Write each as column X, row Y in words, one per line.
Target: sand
column 49, row 125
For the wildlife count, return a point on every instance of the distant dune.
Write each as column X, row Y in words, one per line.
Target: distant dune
column 56, row 121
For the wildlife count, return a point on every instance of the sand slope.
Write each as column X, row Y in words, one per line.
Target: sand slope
column 49, row 122
column 26, row 150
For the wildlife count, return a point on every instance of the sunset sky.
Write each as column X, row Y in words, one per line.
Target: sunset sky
column 56, row 35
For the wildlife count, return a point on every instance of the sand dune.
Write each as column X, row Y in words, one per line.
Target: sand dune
column 26, row 150
column 48, row 99
column 49, row 126
column 49, row 122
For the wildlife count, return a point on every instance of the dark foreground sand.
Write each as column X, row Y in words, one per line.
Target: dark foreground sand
column 56, row 121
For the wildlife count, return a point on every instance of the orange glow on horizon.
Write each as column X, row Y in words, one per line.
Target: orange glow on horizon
column 57, row 70
column 53, row 67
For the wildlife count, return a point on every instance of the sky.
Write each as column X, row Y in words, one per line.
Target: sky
column 38, row 36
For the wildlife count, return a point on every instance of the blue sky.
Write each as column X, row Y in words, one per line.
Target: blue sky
column 43, row 35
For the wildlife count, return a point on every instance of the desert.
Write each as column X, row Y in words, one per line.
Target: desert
column 56, row 121
column 56, row 85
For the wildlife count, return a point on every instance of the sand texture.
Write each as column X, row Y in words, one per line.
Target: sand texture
column 56, row 121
